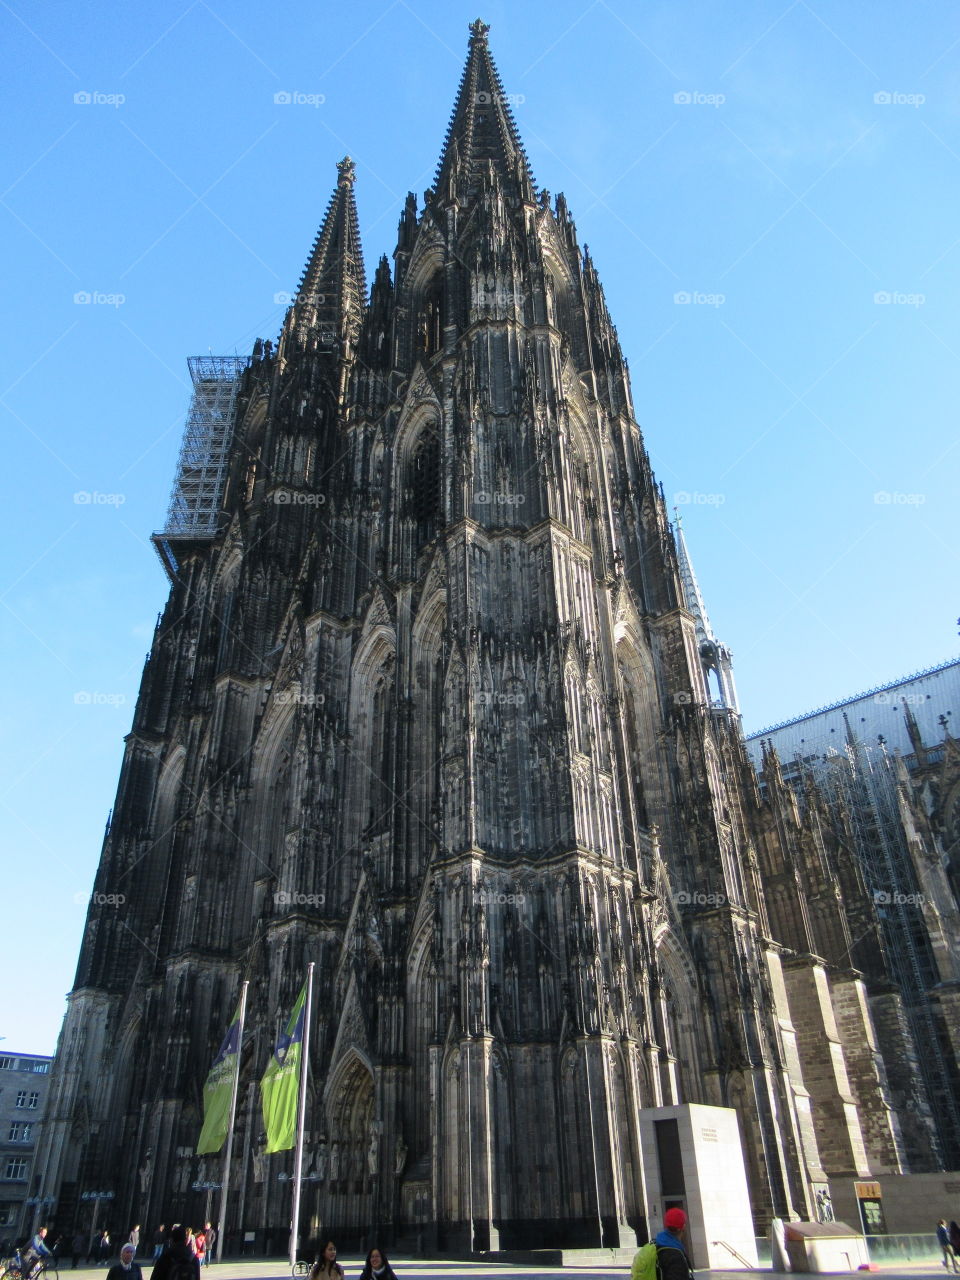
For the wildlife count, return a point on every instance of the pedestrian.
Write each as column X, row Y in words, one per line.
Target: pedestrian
column 326, row 1266
column 953, row 1231
column 104, row 1247
column 210, row 1234
column 672, row 1260
column 134, row 1239
column 159, row 1240
column 34, row 1253
column 943, row 1239
column 377, row 1267
column 127, row 1268
column 177, row 1261
column 200, row 1245
column 77, row 1246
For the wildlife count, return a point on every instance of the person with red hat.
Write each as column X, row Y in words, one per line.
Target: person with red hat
column 672, row 1260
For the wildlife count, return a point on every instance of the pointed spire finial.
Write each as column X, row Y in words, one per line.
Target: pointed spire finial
column 332, row 290
column 347, row 172
column 482, row 144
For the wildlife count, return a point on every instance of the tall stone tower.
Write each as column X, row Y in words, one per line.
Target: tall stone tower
column 430, row 705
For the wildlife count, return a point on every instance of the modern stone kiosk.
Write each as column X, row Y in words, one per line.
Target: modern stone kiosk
column 693, row 1160
column 825, row 1246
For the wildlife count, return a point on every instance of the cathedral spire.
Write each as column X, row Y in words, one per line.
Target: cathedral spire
column 716, row 657
column 692, row 597
column 332, row 290
column 482, row 138
column 913, row 729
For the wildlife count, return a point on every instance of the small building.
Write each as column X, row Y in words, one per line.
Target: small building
column 23, row 1091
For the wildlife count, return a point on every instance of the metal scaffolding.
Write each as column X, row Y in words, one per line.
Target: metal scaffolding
column 202, row 470
column 860, row 786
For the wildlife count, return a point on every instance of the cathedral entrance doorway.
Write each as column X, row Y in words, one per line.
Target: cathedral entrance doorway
column 348, row 1213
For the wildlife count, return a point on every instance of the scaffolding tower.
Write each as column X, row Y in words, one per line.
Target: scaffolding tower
column 860, row 785
column 197, row 496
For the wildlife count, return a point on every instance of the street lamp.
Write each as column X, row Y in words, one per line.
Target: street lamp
column 40, row 1205
column 209, row 1188
column 96, row 1197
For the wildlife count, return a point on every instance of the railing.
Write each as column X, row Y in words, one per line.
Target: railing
column 739, row 1256
column 890, row 1249
column 922, row 1247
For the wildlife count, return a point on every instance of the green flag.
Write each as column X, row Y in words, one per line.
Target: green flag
column 218, row 1091
column 280, row 1086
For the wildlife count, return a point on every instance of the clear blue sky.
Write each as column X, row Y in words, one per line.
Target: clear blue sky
column 781, row 184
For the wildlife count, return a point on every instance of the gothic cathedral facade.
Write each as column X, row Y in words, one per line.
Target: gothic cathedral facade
column 430, row 706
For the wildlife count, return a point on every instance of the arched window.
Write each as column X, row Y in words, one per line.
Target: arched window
column 381, row 733
column 424, row 490
column 636, row 763
column 430, row 320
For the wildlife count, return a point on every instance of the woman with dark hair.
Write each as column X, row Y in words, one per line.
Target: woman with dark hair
column 326, row 1266
column 377, row 1267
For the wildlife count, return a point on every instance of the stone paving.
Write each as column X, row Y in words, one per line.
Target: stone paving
column 449, row 1269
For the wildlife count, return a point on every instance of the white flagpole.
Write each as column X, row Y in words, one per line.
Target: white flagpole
column 225, row 1176
column 298, row 1157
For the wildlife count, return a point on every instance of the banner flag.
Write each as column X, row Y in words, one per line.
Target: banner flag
column 280, row 1086
column 218, row 1092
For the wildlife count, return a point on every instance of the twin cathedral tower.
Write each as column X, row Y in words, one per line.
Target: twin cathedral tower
column 432, row 704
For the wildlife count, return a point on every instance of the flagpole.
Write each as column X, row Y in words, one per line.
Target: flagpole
column 225, row 1177
column 298, row 1157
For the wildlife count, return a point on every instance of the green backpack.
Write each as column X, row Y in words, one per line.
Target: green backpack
column 645, row 1263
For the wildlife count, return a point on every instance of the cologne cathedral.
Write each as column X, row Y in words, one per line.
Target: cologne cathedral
column 434, row 704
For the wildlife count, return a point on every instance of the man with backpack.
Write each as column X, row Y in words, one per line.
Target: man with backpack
column 664, row 1257
column 177, row 1261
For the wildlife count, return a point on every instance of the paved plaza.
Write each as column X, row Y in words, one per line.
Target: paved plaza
column 449, row 1269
